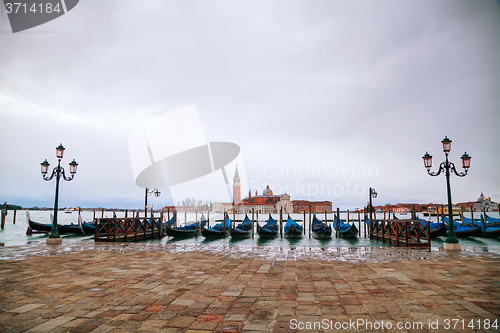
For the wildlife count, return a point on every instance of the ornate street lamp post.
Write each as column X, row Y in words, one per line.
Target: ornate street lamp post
column 58, row 171
column 451, row 242
column 372, row 193
column 148, row 193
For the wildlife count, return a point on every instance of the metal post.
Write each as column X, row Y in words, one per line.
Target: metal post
column 54, row 232
column 370, row 212
column 451, row 238
column 146, row 204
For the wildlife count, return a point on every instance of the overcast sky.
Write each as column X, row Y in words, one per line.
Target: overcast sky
column 361, row 89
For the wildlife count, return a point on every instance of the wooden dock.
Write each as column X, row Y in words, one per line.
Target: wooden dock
column 408, row 233
column 128, row 229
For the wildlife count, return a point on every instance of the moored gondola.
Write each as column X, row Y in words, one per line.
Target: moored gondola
column 219, row 230
column 320, row 229
column 293, row 229
column 63, row 229
column 188, row 230
column 464, row 230
column 242, row 230
column 345, row 230
column 489, row 230
column 268, row 230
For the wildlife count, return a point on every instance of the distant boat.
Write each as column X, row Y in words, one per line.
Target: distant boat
column 293, row 229
column 320, row 229
column 269, row 230
column 242, row 230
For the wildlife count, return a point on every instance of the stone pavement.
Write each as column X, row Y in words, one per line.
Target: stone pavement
column 147, row 287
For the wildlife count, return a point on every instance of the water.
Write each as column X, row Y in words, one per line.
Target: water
column 15, row 234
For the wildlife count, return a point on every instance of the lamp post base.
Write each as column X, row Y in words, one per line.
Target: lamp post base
column 54, row 240
column 452, row 247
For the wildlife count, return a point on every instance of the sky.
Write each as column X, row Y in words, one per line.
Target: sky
column 324, row 98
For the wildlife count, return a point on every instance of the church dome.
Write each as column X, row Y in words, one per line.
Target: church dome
column 267, row 191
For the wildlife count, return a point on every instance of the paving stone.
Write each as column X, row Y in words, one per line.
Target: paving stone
column 148, row 287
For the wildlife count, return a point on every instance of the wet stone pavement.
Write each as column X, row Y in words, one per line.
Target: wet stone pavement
column 146, row 287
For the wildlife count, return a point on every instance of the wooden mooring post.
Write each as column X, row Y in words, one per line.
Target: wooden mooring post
column 4, row 214
column 281, row 222
column 337, row 232
column 359, row 223
column 304, row 222
column 253, row 229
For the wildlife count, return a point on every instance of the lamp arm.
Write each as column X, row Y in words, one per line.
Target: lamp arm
column 442, row 167
column 54, row 171
column 64, row 175
column 152, row 191
column 459, row 174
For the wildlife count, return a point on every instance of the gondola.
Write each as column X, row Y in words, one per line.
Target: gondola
column 242, row 230
column 189, row 230
column 491, row 219
column 268, row 230
column 462, row 230
column 345, row 230
column 72, row 229
column 292, row 229
column 320, row 229
column 219, row 230
column 489, row 230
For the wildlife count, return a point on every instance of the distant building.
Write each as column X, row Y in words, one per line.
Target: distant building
column 481, row 204
column 264, row 204
column 301, row 206
column 236, row 188
column 284, row 204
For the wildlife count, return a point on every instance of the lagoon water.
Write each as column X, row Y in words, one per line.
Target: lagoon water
column 15, row 234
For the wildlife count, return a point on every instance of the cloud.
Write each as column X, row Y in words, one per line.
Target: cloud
column 374, row 82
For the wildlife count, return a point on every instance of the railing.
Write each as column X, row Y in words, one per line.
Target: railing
column 128, row 229
column 409, row 232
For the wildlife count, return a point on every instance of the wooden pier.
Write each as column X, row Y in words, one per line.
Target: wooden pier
column 128, row 229
column 408, row 233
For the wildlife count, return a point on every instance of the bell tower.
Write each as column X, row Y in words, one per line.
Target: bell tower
column 236, row 188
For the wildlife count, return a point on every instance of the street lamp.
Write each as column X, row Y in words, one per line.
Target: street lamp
column 148, row 193
column 451, row 242
column 372, row 193
column 58, row 171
